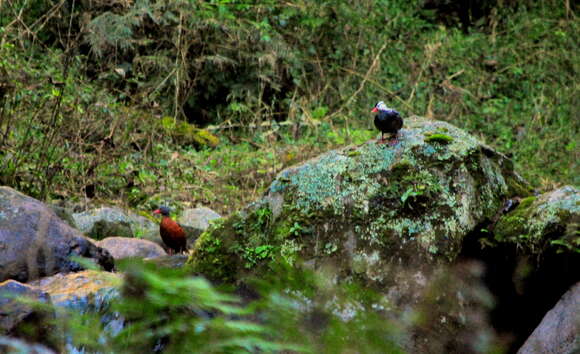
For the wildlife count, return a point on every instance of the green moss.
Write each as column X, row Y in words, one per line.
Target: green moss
column 538, row 220
column 438, row 138
column 187, row 134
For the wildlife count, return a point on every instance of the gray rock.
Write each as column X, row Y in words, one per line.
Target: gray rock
column 112, row 221
column 195, row 221
column 198, row 218
column 34, row 242
column 559, row 331
column 85, row 292
column 124, row 247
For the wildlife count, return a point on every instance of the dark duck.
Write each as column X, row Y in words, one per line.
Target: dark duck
column 171, row 233
column 387, row 120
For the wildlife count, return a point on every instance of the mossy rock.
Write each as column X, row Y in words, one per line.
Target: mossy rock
column 187, row 134
column 549, row 220
column 363, row 209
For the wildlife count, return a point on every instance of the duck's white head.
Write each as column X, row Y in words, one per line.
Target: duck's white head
column 380, row 106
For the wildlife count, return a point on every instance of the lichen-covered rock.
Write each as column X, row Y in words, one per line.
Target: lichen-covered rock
column 125, row 247
column 84, row 291
column 174, row 261
column 549, row 220
column 559, row 331
column 34, row 242
column 367, row 209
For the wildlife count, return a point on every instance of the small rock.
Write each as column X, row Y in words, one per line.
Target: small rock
column 198, row 218
column 195, row 221
column 35, row 242
column 125, row 247
column 559, row 331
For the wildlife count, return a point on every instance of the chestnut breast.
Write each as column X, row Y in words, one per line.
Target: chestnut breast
column 172, row 234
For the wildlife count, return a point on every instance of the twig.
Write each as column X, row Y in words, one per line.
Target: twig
column 374, row 64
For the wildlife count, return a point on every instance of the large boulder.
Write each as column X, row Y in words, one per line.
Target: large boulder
column 125, row 247
column 367, row 209
column 548, row 220
column 388, row 217
column 34, row 242
column 559, row 331
column 104, row 222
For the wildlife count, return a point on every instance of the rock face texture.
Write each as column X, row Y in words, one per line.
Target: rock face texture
column 125, row 247
column 389, row 217
column 82, row 291
column 559, row 331
column 368, row 209
column 198, row 218
column 549, row 220
column 85, row 292
column 34, row 242
column 112, row 221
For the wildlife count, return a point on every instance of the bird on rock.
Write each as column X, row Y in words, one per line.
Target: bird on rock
column 387, row 120
column 171, row 233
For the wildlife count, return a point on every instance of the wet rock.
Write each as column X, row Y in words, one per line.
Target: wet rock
column 124, row 247
column 174, row 261
column 22, row 320
column 549, row 220
column 559, row 331
column 14, row 346
column 112, row 221
column 34, row 242
column 198, row 218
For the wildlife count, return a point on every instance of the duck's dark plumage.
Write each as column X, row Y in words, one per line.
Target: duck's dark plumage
column 387, row 120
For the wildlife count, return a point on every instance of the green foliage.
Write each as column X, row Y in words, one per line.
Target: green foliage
column 72, row 123
column 295, row 311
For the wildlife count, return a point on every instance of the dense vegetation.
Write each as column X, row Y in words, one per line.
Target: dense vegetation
column 106, row 100
column 204, row 102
